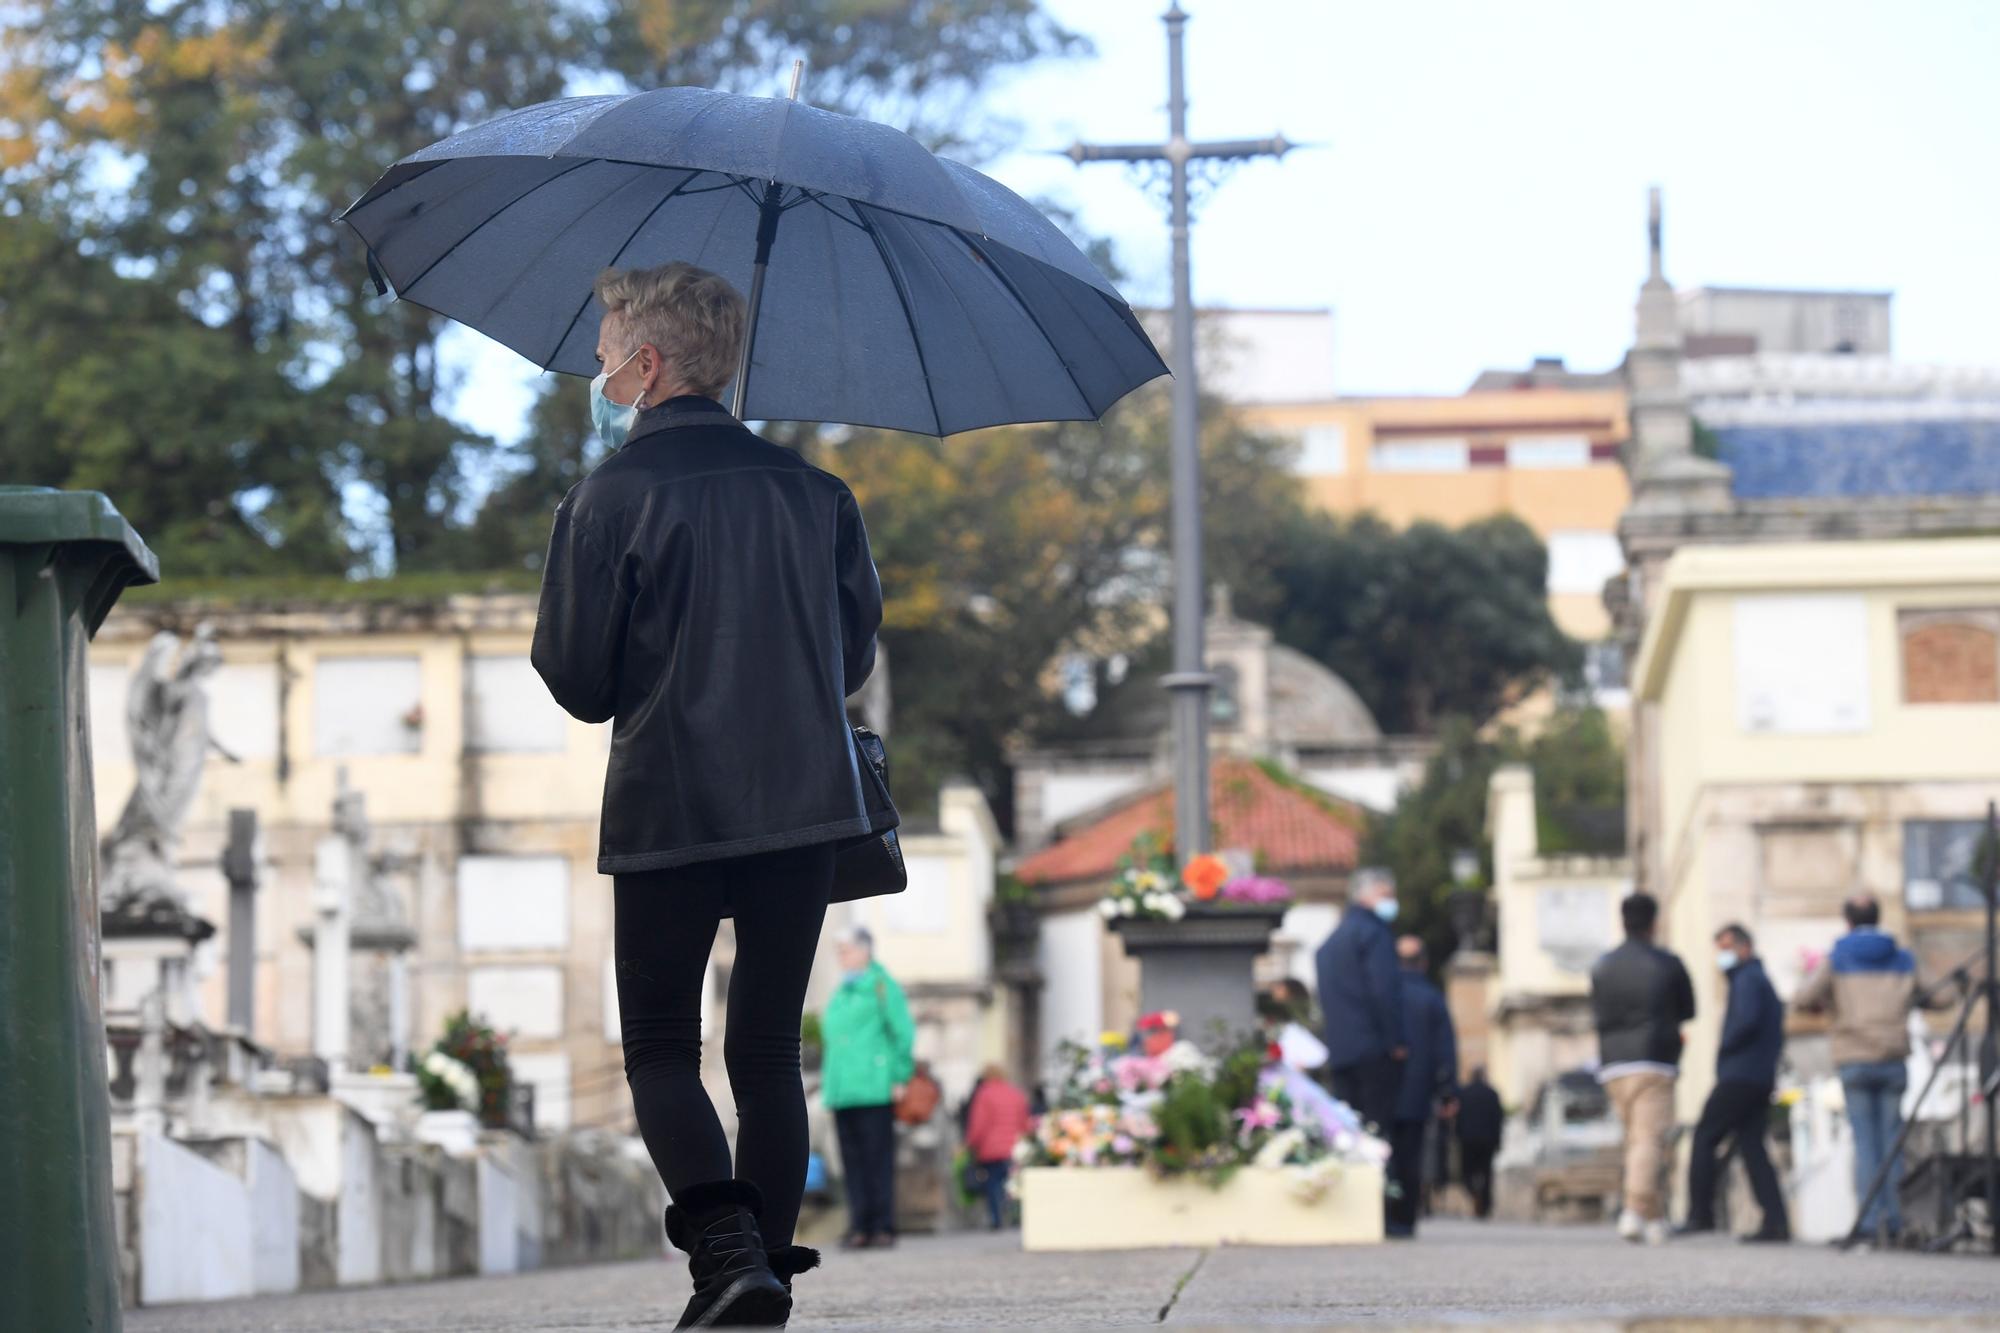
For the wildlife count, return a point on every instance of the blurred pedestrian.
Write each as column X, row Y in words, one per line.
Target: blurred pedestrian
column 999, row 1119
column 1639, row 997
column 731, row 775
column 870, row 1056
column 1361, row 1002
column 1285, row 1007
column 1869, row 984
column 1481, row 1122
column 1429, row 1084
column 1739, row 1107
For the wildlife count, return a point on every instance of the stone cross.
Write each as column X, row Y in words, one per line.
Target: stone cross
column 1190, row 680
column 239, row 867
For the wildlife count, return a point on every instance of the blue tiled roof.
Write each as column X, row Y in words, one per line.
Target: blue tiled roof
column 1860, row 459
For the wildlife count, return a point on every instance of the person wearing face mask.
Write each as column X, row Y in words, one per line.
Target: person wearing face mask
column 1361, row 1002
column 1739, row 1109
column 712, row 595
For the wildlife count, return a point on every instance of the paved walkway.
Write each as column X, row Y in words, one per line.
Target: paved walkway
column 1458, row 1273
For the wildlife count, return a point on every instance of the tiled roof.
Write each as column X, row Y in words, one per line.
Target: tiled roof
column 1862, row 459
column 1291, row 831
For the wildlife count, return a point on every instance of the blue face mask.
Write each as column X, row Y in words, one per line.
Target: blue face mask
column 1386, row 909
column 612, row 421
column 1726, row 959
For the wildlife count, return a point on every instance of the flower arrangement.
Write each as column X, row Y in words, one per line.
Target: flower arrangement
column 1180, row 1112
column 466, row 1070
column 1256, row 891
column 447, row 1084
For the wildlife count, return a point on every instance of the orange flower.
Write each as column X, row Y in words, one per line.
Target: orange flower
column 1204, row 876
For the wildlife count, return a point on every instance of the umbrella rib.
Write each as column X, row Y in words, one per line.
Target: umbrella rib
column 488, row 218
column 618, row 254
column 1028, row 310
column 909, row 317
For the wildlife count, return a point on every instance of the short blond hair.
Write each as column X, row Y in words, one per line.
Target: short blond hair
column 693, row 316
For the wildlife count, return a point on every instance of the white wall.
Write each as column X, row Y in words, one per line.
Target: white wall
column 1376, row 787
column 548, row 1073
column 243, row 709
column 360, row 703
column 523, row 1000
column 194, row 1227
column 1305, row 927
column 513, row 902
column 274, row 1212
column 359, row 1226
column 1068, row 794
column 512, row 711
column 1801, row 663
column 1072, row 963
column 499, row 1219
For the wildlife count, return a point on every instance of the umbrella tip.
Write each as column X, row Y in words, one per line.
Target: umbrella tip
column 798, row 76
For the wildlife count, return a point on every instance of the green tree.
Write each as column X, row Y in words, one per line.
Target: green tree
column 1425, row 621
column 1002, row 550
column 1579, row 770
column 199, row 151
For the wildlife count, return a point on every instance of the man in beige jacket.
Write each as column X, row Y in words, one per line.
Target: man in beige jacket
column 1868, row 985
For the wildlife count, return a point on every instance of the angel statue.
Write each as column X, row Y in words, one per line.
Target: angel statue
column 166, row 715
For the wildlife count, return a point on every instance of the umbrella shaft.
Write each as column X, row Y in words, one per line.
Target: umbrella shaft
column 767, row 232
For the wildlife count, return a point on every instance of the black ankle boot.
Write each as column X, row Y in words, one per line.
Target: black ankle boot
column 734, row 1286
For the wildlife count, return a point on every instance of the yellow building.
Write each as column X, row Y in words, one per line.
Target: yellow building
column 1548, row 456
column 1821, row 719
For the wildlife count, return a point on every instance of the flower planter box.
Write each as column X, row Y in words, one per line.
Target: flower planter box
column 1128, row 1208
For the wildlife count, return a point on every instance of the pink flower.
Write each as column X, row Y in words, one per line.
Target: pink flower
column 1260, row 1115
column 1122, row 1144
column 1258, row 890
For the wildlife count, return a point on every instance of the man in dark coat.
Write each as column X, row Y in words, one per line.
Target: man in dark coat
column 1746, row 1070
column 1481, row 1121
column 1429, row 1082
column 1361, row 1002
column 1639, row 997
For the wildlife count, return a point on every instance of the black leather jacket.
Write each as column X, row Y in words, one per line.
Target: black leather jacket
column 714, row 593
column 1639, row 996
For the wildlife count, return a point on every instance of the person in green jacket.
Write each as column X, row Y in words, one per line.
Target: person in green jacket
column 870, row 1042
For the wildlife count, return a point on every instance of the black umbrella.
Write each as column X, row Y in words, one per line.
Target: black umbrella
column 903, row 290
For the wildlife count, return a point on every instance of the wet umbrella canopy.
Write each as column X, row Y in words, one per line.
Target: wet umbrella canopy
column 903, row 290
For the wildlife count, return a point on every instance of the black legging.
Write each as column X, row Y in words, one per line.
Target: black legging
column 664, row 931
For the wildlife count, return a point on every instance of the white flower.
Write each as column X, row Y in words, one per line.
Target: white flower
column 1175, row 909
column 1125, row 907
column 1184, row 1057
column 1107, row 908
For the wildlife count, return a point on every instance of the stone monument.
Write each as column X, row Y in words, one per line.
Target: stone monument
column 166, row 715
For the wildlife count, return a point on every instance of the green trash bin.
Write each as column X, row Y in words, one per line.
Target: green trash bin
column 65, row 556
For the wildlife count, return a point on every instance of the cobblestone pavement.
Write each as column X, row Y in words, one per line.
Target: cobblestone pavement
column 1458, row 1273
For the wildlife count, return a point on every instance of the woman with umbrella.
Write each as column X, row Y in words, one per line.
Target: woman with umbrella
column 710, row 591
column 715, row 594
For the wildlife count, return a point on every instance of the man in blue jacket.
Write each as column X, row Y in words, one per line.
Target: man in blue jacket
column 1361, row 1001
column 1429, row 1084
column 1746, row 1069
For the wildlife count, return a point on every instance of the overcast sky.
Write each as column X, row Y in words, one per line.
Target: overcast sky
column 1477, row 195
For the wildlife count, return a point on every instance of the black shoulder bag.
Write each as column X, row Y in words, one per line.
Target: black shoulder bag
column 872, row 865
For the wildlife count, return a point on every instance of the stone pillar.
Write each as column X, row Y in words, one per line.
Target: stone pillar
column 1202, row 967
